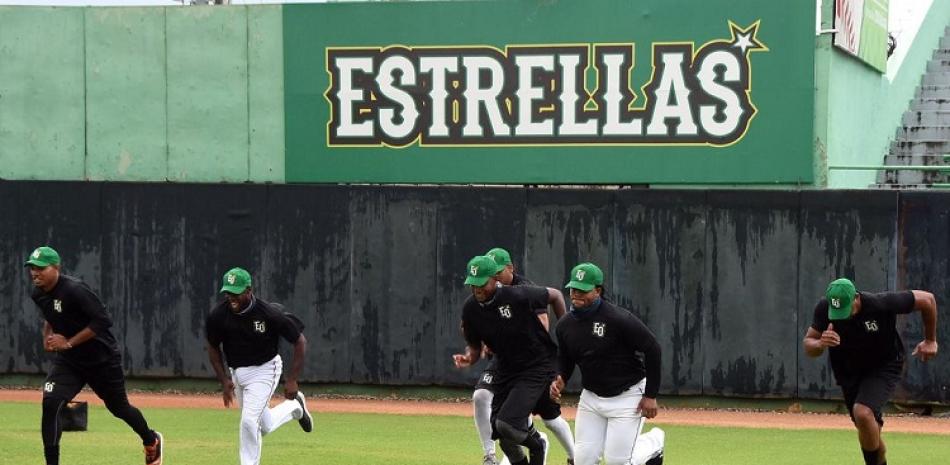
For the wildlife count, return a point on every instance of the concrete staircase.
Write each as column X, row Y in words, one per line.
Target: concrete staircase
column 924, row 136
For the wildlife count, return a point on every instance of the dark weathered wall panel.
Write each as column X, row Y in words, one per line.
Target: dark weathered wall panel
column 168, row 246
column 657, row 273
column 924, row 263
column 471, row 221
column 391, row 281
column 749, row 317
column 844, row 234
column 727, row 280
column 58, row 213
column 307, row 268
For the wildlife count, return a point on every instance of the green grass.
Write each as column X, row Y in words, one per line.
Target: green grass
column 209, row 437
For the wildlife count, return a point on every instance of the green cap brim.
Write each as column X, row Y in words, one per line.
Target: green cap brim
column 580, row 286
column 476, row 280
column 233, row 289
column 37, row 262
column 842, row 313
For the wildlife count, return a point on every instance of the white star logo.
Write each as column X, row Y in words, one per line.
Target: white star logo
column 743, row 41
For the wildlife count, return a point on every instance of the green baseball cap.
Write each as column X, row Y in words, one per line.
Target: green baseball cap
column 236, row 281
column 840, row 295
column 43, row 256
column 500, row 256
column 480, row 269
column 586, row 277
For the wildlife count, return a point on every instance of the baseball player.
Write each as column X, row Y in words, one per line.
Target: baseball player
column 620, row 386
column 859, row 329
column 76, row 328
column 482, row 397
column 506, row 320
column 248, row 329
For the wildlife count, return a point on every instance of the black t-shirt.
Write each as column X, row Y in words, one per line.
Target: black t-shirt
column 516, row 280
column 606, row 343
column 508, row 324
column 249, row 338
column 71, row 307
column 869, row 340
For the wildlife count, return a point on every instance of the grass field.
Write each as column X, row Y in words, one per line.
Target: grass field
column 209, row 437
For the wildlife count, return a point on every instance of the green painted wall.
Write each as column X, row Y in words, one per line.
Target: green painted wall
column 142, row 94
column 858, row 110
column 42, row 103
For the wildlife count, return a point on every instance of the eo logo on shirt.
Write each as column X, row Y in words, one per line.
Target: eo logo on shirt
column 58, row 305
column 49, row 386
column 505, row 311
column 259, row 326
column 599, row 329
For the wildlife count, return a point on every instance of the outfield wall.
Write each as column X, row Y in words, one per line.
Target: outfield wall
column 726, row 279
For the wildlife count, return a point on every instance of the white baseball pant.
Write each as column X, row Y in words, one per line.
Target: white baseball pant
column 254, row 387
column 611, row 427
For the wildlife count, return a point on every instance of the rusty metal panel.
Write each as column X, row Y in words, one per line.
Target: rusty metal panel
column 750, row 321
column 657, row 273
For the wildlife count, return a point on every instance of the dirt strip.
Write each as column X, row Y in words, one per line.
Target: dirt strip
column 698, row 417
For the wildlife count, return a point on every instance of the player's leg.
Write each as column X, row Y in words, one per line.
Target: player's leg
column 867, row 411
column 108, row 382
column 550, row 413
column 62, row 384
column 623, row 443
column 512, row 449
column 590, row 429
column 289, row 409
column 255, row 386
column 481, row 404
column 562, row 431
column 513, row 420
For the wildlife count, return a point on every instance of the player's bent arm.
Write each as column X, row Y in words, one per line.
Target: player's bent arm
column 812, row 343
column 82, row 336
column 543, row 318
column 300, row 350
column 556, row 301
column 926, row 304
column 214, row 356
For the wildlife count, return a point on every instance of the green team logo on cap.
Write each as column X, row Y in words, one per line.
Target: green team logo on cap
column 42, row 257
column 585, row 277
column 236, row 281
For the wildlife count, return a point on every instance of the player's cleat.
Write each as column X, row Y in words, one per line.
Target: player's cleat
column 489, row 459
column 153, row 453
column 657, row 460
column 306, row 421
column 542, row 458
column 570, row 461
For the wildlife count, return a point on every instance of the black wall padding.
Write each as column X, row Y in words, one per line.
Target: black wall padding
column 727, row 280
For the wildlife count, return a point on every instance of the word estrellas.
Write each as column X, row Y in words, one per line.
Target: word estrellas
column 536, row 95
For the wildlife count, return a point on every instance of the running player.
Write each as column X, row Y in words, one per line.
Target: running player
column 859, row 329
column 620, row 385
column 77, row 329
column 247, row 329
column 506, row 320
